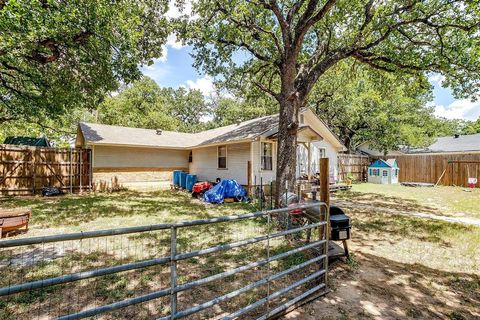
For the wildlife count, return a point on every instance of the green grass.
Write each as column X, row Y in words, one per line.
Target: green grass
column 72, row 213
column 443, row 200
column 418, row 246
column 95, row 211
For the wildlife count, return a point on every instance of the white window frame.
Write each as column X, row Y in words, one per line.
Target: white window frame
column 261, row 155
column 302, row 119
column 226, row 157
column 324, row 151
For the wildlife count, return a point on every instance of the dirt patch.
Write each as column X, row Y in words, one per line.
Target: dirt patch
column 404, row 267
column 385, row 289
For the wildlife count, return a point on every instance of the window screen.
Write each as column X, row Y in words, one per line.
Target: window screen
column 222, row 157
column 267, row 156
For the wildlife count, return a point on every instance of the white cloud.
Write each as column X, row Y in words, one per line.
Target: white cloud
column 173, row 42
column 436, row 78
column 205, row 85
column 459, row 109
column 175, row 11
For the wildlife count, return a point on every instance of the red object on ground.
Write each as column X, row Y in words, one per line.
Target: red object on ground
column 295, row 211
column 200, row 187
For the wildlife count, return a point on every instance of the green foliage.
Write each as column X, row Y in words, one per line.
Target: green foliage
column 259, row 41
column 59, row 130
column 145, row 105
column 285, row 47
column 449, row 127
column 140, row 105
column 471, row 127
column 228, row 110
column 56, row 56
column 363, row 104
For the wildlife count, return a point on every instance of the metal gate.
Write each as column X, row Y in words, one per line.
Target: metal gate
column 285, row 270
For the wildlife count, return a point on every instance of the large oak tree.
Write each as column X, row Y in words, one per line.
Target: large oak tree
column 284, row 47
column 59, row 55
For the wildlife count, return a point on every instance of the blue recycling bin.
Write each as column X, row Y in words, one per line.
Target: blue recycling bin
column 176, row 178
column 183, row 180
column 191, row 180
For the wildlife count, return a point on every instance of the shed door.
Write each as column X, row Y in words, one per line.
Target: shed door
column 384, row 176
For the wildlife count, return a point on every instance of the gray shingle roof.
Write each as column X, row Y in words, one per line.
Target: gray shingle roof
column 95, row 133
column 451, row 144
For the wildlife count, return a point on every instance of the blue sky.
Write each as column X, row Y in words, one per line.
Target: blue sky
column 175, row 69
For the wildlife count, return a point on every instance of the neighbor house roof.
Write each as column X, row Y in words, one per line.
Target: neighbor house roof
column 100, row 134
column 457, row 143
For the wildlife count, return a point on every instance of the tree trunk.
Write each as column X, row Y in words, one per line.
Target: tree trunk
column 348, row 143
column 287, row 138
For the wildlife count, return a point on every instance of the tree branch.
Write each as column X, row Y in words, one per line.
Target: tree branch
column 248, row 47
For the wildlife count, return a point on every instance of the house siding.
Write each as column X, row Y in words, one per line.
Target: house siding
column 331, row 154
column 123, row 165
column 205, row 163
column 137, row 157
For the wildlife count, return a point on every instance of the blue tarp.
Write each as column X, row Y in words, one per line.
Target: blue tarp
column 224, row 189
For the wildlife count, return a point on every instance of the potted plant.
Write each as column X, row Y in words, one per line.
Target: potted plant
column 349, row 179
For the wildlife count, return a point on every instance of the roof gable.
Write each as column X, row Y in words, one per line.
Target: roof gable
column 392, row 163
column 380, row 164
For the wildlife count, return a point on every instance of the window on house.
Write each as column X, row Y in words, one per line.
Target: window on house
column 190, row 157
column 322, row 152
column 222, row 157
column 302, row 119
column 385, row 173
column 267, row 156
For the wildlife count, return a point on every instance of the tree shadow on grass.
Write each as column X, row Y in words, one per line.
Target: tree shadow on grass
column 164, row 205
column 385, row 289
column 376, row 222
column 387, row 202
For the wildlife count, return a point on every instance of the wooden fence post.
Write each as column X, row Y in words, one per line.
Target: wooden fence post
column 249, row 177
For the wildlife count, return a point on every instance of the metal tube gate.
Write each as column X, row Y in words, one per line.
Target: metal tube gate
column 320, row 247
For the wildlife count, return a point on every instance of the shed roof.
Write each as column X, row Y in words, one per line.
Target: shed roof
column 461, row 143
column 380, row 163
column 392, row 163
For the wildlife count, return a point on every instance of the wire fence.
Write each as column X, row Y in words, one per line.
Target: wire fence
column 229, row 267
column 264, row 193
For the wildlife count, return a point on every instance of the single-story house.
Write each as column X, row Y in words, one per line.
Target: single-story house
column 383, row 171
column 245, row 151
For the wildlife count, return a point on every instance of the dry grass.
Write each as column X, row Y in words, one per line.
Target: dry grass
column 101, row 211
column 403, row 268
column 451, row 201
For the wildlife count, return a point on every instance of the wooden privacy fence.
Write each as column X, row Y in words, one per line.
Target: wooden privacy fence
column 354, row 165
column 429, row 168
column 26, row 170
